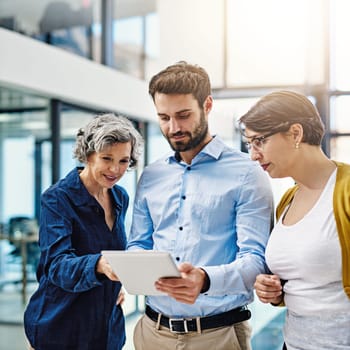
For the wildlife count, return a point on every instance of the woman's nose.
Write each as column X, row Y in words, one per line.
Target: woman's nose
column 254, row 154
column 114, row 167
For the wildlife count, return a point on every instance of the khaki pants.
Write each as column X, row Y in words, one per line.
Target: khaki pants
column 148, row 337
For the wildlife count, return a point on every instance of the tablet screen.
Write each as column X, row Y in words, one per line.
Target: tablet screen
column 138, row 270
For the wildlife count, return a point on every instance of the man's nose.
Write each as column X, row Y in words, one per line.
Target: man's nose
column 174, row 125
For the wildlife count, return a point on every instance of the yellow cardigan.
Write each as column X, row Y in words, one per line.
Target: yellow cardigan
column 341, row 208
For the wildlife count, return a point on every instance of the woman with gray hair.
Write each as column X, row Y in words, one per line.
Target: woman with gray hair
column 78, row 302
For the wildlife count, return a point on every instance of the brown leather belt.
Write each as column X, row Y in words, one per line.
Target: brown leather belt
column 195, row 324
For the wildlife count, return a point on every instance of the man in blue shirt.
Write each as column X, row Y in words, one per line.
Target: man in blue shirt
column 210, row 207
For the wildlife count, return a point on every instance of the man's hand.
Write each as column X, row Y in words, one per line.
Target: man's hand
column 269, row 288
column 186, row 288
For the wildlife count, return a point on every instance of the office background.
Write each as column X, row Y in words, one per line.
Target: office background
column 61, row 62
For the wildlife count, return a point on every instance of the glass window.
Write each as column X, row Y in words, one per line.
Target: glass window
column 267, row 323
column 340, row 148
column 224, row 115
column 340, row 124
column 61, row 23
column 129, row 43
column 152, row 44
column 46, row 166
column 18, row 176
column 196, row 39
column 340, row 53
column 128, row 181
column 157, row 145
column 71, row 121
column 340, row 121
column 274, row 42
column 23, row 123
column 75, row 40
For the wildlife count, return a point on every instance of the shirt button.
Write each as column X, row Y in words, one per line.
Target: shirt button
column 183, row 197
column 188, row 168
column 181, row 228
column 177, row 258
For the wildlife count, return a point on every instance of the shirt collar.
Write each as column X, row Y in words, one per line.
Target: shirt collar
column 213, row 149
column 80, row 195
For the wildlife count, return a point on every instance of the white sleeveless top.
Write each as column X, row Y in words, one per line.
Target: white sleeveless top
column 308, row 255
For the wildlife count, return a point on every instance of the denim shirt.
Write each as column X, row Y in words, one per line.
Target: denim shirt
column 214, row 213
column 73, row 307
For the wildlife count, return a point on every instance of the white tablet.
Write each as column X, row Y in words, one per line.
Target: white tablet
column 138, row 270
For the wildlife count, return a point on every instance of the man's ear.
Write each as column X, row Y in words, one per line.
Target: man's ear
column 208, row 104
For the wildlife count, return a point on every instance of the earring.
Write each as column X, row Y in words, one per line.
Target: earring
column 297, row 145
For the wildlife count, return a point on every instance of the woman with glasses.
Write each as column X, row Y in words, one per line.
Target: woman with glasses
column 308, row 252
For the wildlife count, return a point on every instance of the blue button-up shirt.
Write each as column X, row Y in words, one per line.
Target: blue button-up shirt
column 214, row 213
column 74, row 308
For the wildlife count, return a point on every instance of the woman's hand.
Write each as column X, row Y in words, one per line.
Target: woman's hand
column 121, row 297
column 269, row 288
column 104, row 268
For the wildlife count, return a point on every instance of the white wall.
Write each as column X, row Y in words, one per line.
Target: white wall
column 54, row 73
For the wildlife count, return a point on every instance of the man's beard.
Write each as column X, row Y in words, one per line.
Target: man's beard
column 195, row 138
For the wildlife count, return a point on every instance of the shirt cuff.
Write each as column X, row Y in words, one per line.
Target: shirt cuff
column 92, row 274
column 216, row 281
column 206, row 284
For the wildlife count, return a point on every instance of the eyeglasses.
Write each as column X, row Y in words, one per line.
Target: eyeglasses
column 258, row 142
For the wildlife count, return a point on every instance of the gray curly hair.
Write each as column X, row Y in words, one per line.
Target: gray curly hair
column 105, row 130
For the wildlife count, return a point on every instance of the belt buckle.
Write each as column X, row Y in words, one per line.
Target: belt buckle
column 172, row 325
